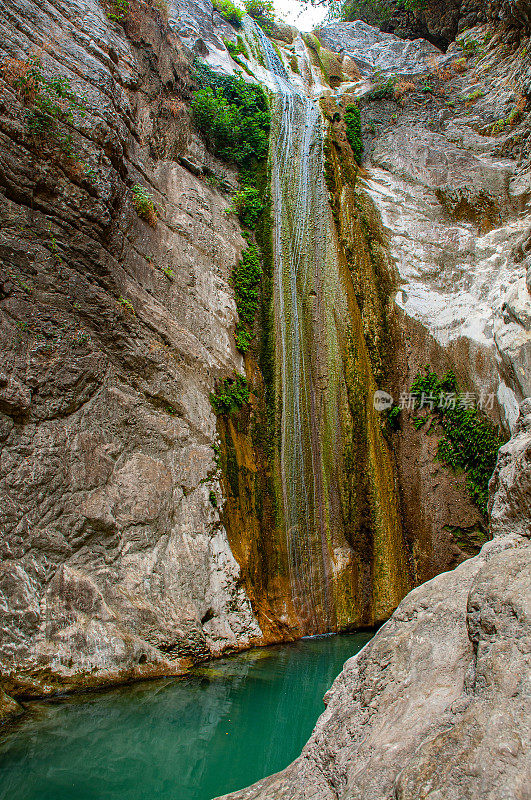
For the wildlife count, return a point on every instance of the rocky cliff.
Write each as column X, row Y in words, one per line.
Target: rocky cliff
column 436, row 704
column 114, row 328
column 141, row 532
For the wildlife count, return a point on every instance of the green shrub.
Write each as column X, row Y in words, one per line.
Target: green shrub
column 119, row 10
column 262, row 11
column 236, row 48
column 233, row 116
column 246, row 280
column 470, row 442
column 353, row 126
column 231, row 395
column 385, row 89
column 393, row 418
column 229, row 11
column 143, row 203
column 50, row 101
column 243, row 337
column 248, row 205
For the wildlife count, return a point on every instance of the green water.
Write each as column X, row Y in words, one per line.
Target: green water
column 235, row 721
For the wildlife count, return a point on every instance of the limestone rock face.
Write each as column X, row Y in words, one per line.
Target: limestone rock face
column 370, row 49
column 510, row 486
column 114, row 561
column 453, row 195
column 437, row 703
column 514, row 13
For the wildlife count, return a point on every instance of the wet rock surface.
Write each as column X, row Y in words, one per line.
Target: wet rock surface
column 436, row 703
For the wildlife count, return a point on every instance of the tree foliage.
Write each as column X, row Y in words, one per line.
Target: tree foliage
column 262, row 11
column 229, row 11
column 233, row 116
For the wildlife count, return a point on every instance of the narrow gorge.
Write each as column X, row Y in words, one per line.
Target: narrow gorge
column 265, row 303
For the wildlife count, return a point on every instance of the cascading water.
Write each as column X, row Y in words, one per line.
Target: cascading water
column 334, row 477
column 302, row 240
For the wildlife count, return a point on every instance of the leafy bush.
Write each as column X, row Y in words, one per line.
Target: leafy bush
column 385, row 89
column 262, row 11
column 372, row 11
column 143, row 203
column 231, row 395
column 233, row 115
column 236, row 48
column 229, row 11
column 471, row 441
column 119, row 10
column 353, row 126
column 246, row 279
column 248, row 205
column 393, row 418
column 50, row 101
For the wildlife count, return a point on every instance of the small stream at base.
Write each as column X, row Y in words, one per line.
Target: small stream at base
column 233, row 722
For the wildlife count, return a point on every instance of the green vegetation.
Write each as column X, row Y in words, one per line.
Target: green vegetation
column 246, row 279
column 232, row 394
column 236, row 48
column 229, row 11
column 248, row 205
column 511, row 119
column 311, row 41
column 143, row 203
column 471, row 98
column 233, row 116
column 393, row 417
column 371, row 11
column 384, row 89
column 470, row 442
column 353, row 126
column 235, row 119
column 50, row 100
column 119, row 10
column 127, row 304
column 263, row 13
column 213, row 499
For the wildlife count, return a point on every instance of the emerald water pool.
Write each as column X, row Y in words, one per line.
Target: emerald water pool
column 229, row 724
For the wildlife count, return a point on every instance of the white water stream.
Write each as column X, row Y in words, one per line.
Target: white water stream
column 301, row 241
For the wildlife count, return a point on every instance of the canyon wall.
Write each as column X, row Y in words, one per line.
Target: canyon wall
column 139, row 532
column 115, row 563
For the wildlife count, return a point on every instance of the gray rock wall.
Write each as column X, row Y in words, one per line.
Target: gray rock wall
column 113, row 331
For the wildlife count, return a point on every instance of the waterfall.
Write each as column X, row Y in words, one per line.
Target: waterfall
column 301, row 241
